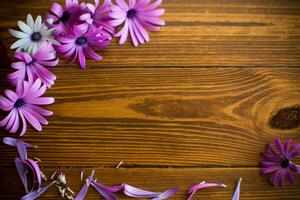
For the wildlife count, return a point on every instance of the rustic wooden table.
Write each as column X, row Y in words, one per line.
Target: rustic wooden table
column 196, row 103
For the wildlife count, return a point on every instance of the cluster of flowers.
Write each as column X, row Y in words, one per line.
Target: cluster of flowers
column 73, row 30
column 40, row 184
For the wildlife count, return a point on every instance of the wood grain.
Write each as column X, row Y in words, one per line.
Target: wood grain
column 198, row 33
column 253, row 185
column 163, row 117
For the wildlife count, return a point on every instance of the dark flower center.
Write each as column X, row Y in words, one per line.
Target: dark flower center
column 19, row 103
column 81, row 41
column 36, row 36
column 285, row 163
column 65, row 16
column 131, row 13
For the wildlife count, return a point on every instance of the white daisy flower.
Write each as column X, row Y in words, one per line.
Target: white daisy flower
column 32, row 35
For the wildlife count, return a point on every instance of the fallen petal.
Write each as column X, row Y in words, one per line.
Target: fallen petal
column 37, row 193
column 236, row 195
column 202, row 185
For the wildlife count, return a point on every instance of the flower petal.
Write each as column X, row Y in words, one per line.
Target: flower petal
column 22, row 173
column 35, row 194
column 236, row 195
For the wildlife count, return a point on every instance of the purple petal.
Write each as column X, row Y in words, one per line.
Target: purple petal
column 32, row 120
column 104, row 191
column 290, row 177
column 57, row 9
column 166, row 194
column 6, row 104
column 236, row 195
column 279, row 146
column 35, row 169
column 202, row 185
column 138, row 193
column 13, row 142
column 35, row 194
column 23, row 123
column 11, row 95
column 22, row 173
column 270, row 169
column 83, row 191
column 132, row 34
column 295, row 168
column 81, row 56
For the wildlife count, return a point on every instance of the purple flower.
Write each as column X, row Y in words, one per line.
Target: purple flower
column 24, row 106
column 279, row 161
column 135, row 18
column 81, row 43
column 236, row 195
column 97, row 16
column 62, row 19
column 33, row 67
column 200, row 186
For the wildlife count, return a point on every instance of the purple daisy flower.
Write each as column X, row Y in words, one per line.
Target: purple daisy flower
column 135, row 18
column 33, row 67
column 97, row 16
column 279, row 161
column 62, row 19
column 24, row 106
column 81, row 43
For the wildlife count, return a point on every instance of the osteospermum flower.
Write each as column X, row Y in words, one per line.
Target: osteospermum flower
column 279, row 161
column 32, row 35
column 97, row 16
column 33, row 67
column 81, row 43
column 63, row 18
column 135, row 18
column 24, row 106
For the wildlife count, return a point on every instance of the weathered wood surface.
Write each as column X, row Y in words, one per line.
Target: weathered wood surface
column 165, row 109
column 253, row 185
column 198, row 33
column 170, row 117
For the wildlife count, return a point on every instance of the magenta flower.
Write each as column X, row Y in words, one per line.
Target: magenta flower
column 62, row 19
column 97, row 16
column 135, row 18
column 33, row 67
column 200, row 186
column 236, row 195
column 24, row 106
column 81, row 43
column 279, row 161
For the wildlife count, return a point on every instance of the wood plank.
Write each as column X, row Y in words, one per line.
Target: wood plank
column 169, row 117
column 254, row 186
column 198, row 33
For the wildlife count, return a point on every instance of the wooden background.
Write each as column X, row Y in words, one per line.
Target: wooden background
column 199, row 102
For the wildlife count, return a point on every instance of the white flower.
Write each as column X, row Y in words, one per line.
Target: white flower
column 32, row 35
